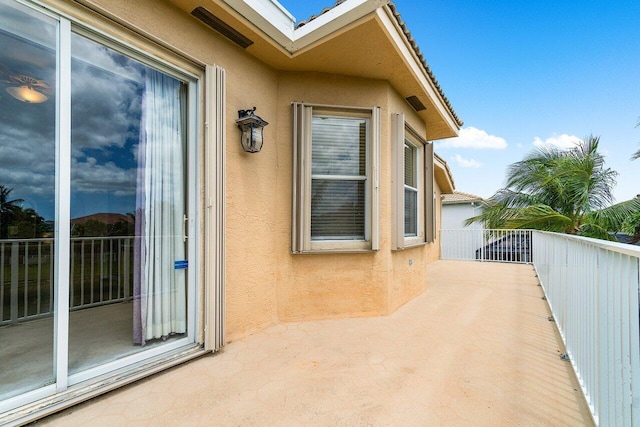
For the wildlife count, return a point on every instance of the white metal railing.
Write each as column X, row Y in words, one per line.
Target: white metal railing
column 100, row 273
column 486, row 245
column 592, row 289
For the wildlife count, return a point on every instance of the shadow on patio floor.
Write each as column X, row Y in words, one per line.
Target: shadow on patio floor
column 475, row 349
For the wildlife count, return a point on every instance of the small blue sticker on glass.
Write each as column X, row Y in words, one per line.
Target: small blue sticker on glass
column 181, row 264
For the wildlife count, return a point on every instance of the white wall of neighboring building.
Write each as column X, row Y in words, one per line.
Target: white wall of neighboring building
column 454, row 215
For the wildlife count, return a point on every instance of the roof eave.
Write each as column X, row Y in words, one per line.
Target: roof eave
column 414, row 61
column 278, row 24
column 443, row 175
column 269, row 16
column 333, row 20
column 461, row 202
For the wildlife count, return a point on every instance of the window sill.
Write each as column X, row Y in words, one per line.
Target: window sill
column 335, row 251
column 411, row 246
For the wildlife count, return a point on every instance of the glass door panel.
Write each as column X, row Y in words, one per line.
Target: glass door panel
column 27, row 198
column 128, row 289
column 126, row 154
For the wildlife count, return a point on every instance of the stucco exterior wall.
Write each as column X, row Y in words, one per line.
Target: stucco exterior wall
column 251, row 205
column 328, row 285
column 265, row 283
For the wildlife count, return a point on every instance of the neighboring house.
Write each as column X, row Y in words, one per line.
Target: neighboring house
column 104, row 217
column 131, row 106
column 458, row 207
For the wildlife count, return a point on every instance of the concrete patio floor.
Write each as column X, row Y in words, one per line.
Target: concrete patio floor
column 475, row 349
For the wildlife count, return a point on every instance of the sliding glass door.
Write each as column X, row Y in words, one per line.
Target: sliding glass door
column 27, row 198
column 96, row 205
column 128, row 206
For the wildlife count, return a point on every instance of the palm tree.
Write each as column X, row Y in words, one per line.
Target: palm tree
column 566, row 191
column 8, row 210
column 28, row 224
column 631, row 226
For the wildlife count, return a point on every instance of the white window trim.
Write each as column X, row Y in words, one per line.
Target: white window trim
column 401, row 132
column 301, row 188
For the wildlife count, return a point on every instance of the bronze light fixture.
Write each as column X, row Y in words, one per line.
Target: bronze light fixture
column 251, row 127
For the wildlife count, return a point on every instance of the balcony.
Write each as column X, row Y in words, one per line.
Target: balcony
column 479, row 347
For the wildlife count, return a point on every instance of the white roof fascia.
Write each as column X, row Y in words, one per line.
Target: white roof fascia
column 269, row 16
column 276, row 22
column 415, row 65
column 331, row 21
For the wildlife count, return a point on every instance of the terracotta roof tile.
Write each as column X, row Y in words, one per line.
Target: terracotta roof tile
column 413, row 44
column 460, row 197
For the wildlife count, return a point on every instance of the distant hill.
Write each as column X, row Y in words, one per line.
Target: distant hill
column 105, row 217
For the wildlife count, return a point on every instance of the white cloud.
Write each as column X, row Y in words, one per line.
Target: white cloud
column 471, row 137
column 563, row 141
column 467, row 163
column 102, row 178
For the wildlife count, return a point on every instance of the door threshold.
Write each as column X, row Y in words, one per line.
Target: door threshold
column 96, row 386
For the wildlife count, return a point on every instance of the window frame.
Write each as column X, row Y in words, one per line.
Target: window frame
column 100, row 378
column 404, row 135
column 301, row 241
column 417, row 149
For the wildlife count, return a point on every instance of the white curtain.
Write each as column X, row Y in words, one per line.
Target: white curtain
column 159, row 287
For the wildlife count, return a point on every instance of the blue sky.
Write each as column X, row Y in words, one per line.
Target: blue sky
column 526, row 72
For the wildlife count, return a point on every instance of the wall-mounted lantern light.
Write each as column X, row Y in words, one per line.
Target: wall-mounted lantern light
column 251, row 127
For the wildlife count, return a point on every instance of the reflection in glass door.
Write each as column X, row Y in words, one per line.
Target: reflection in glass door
column 27, row 198
column 128, row 140
column 93, row 210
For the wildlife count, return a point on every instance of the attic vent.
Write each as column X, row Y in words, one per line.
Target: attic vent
column 217, row 24
column 415, row 103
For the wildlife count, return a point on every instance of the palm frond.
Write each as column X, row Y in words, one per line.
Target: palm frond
column 595, row 231
column 569, row 191
column 540, row 217
column 613, row 217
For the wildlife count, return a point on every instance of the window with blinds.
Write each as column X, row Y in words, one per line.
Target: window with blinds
column 412, row 186
column 338, row 177
column 410, row 190
column 335, row 191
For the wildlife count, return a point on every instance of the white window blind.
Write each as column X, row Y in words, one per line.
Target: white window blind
column 339, row 177
column 410, row 190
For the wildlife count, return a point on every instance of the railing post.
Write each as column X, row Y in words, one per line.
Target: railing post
column 15, row 273
column 601, row 407
column 634, row 346
column 127, row 266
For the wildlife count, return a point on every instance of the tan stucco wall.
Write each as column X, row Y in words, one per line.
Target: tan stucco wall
column 265, row 283
column 251, row 205
column 408, row 267
column 339, row 285
column 326, row 285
